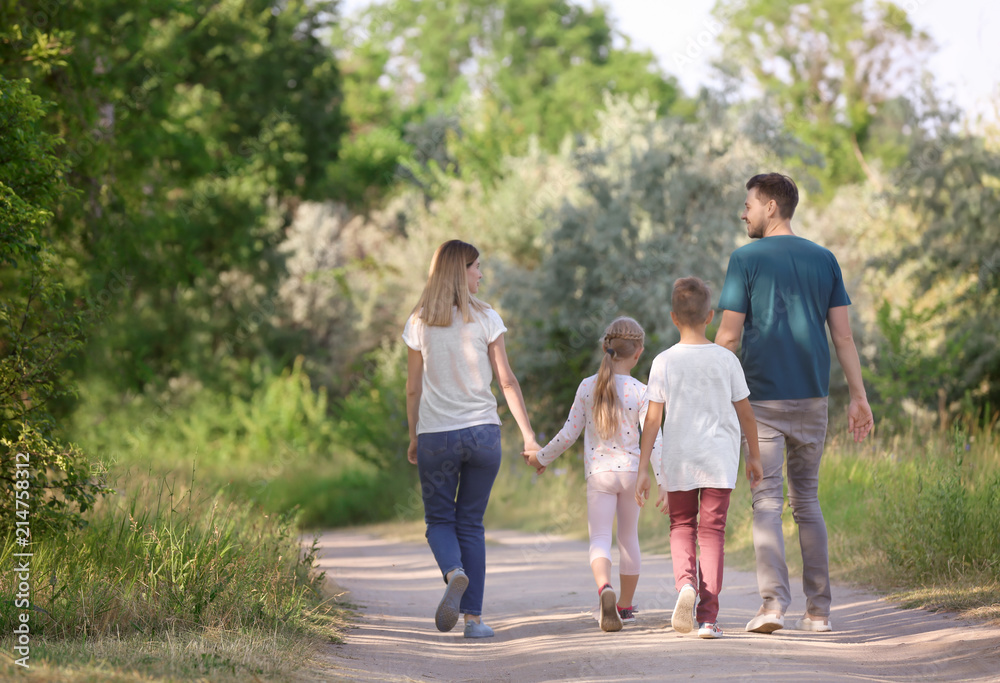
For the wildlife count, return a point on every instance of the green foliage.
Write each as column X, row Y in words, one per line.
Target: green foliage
column 44, row 484
column 834, row 69
column 939, row 517
column 951, row 182
column 371, row 419
column 903, row 364
column 191, row 129
column 164, row 556
column 539, row 68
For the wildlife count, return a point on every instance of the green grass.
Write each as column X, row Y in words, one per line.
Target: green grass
column 173, row 584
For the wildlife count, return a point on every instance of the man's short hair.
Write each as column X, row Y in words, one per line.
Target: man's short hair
column 691, row 300
column 778, row 187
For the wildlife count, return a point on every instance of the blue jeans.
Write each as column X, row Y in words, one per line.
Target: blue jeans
column 457, row 470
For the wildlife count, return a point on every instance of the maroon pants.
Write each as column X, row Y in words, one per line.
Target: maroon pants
column 704, row 573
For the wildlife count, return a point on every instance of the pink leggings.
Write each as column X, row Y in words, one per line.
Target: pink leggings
column 608, row 493
column 704, row 573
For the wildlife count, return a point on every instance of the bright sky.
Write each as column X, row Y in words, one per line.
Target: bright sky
column 966, row 65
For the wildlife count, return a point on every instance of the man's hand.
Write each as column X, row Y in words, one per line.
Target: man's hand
column 860, row 420
column 641, row 488
column 411, row 452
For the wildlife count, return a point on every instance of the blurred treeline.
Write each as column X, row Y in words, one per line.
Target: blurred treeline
column 215, row 216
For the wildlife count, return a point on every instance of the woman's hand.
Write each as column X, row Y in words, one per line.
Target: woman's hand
column 411, row 452
column 531, row 459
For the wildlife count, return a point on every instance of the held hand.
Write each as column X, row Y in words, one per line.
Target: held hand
column 641, row 488
column 860, row 420
column 411, row 452
column 532, row 459
column 662, row 503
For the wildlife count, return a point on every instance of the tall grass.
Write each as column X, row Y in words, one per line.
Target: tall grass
column 277, row 448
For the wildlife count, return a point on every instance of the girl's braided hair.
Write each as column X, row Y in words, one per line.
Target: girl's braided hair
column 622, row 339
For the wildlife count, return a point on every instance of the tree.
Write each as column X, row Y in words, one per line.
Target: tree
column 835, row 69
column 951, row 182
column 192, row 128
column 526, row 67
column 45, row 484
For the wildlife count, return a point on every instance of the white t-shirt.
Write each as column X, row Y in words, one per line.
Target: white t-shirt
column 620, row 453
column 698, row 383
column 457, row 371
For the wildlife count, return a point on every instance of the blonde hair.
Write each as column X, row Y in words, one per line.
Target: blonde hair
column 691, row 300
column 622, row 339
column 448, row 286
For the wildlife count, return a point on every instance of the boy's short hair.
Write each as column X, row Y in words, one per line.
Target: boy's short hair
column 691, row 300
column 778, row 187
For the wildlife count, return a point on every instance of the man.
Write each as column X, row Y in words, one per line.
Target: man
column 780, row 292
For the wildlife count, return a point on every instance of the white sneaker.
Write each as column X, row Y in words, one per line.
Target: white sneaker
column 682, row 619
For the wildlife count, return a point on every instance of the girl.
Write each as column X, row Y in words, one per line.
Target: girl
column 456, row 347
column 609, row 407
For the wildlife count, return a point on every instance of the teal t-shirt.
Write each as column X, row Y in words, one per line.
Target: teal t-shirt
column 785, row 285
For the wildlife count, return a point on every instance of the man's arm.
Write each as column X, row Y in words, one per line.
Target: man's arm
column 859, row 414
column 730, row 330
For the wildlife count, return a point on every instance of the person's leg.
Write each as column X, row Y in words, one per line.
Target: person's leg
column 768, row 503
column 630, row 559
column 601, row 501
column 479, row 454
column 438, row 466
column 683, row 536
column 807, row 434
column 711, row 543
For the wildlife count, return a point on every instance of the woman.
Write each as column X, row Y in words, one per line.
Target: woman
column 456, row 347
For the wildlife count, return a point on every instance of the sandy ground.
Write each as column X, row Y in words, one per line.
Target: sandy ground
column 539, row 598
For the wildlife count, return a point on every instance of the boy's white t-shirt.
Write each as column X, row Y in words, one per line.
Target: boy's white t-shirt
column 698, row 383
column 617, row 454
column 457, row 372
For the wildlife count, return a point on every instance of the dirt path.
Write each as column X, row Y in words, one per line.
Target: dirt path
column 539, row 596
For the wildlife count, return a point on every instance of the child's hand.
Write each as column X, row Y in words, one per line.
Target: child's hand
column 755, row 472
column 531, row 457
column 641, row 488
column 661, row 502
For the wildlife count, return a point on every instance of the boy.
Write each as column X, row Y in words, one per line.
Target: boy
column 700, row 388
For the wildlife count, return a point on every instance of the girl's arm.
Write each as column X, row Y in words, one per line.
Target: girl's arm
column 570, row 432
column 414, row 390
column 511, row 391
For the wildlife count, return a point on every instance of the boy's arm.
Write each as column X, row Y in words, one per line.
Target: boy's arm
column 650, row 431
column 755, row 473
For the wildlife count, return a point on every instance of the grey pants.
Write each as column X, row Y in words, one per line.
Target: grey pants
column 796, row 428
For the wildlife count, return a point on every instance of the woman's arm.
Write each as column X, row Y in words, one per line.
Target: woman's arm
column 414, row 389
column 511, row 391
